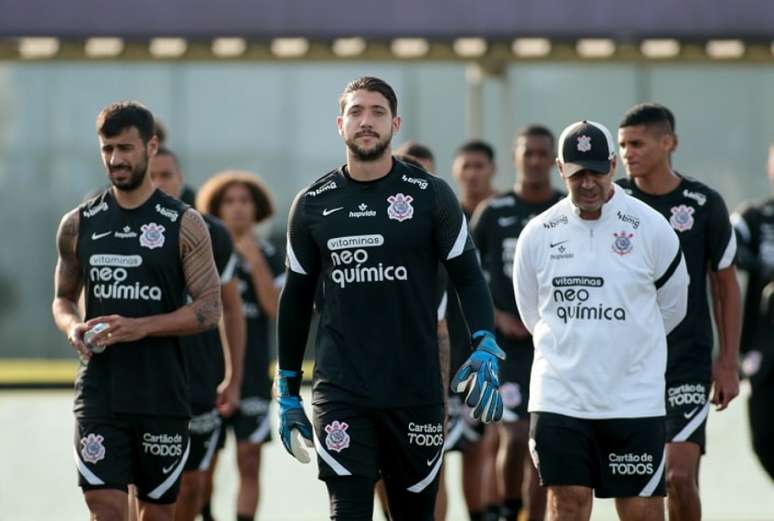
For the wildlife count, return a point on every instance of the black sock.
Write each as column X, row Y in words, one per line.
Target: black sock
column 478, row 515
column 510, row 509
column 240, row 517
column 207, row 513
column 492, row 513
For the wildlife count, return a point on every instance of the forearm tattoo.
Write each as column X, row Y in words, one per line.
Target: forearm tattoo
column 201, row 275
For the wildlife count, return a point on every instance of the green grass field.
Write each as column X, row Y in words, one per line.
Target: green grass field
column 38, row 476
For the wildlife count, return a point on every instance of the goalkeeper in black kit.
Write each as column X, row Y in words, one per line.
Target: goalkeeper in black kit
column 374, row 231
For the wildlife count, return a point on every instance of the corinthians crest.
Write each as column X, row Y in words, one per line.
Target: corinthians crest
column 622, row 243
column 92, row 449
column 400, row 207
column 682, row 217
column 584, row 143
column 152, row 236
column 337, row 438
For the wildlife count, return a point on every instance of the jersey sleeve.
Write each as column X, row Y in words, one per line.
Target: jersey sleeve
column 223, row 252
column 721, row 239
column 478, row 231
column 671, row 275
column 450, row 229
column 745, row 222
column 302, row 255
column 275, row 261
column 525, row 283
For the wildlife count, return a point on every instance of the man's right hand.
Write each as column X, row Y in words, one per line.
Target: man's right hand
column 75, row 337
column 294, row 426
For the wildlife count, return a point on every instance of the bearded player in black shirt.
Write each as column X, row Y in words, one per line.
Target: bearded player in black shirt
column 698, row 214
column 495, row 228
column 375, row 230
column 134, row 252
column 214, row 367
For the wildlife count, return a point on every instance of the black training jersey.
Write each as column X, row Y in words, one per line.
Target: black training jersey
column 377, row 245
column 204, row 352
column 699, row 216
column 754, row 224
column 256, row 382
column 131, row 266
column 495, row 229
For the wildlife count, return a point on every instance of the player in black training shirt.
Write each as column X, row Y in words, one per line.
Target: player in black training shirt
column 646, row 136
column 241, row 200
column 375, row 230
column 215, row 385
column 495, row 229
column 754, row 225
column 134, row 252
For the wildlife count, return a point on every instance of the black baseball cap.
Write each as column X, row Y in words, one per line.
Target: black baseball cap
column 586, row 145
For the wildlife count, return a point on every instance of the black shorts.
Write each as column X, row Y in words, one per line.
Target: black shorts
column 250, row 422
column 461, row 429
column 404, row 446
column 205, row 434
column 514, row 379
column 622, row 457
column 687, row 408
column 149, row 452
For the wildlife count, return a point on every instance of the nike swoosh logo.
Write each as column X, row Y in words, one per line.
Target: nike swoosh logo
column 506, row 221
column 553, row 244
column 690, row 413
column 431, row 461
column 167, row 470
column 95, row 236
column 327, row 212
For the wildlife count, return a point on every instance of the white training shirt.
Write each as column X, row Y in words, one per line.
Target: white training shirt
column 599, row 297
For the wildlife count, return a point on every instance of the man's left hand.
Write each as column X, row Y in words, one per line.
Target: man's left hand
column 120, row 329
column 725, row 380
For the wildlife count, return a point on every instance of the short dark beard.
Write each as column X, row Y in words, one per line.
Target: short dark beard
column 367, row 156
column 136, row 177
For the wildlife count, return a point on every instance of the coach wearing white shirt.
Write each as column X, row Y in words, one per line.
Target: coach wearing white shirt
column 600, row 281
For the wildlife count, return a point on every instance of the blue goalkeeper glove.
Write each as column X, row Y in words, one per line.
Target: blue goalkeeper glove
column 294, row 427
column 480, row 372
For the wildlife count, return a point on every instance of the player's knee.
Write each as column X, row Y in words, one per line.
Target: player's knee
column 351, row 498
column 191, row 488
column 568, row 502
column 680, row 480
column 248, row 463
column 107, row 508
column 515, row 436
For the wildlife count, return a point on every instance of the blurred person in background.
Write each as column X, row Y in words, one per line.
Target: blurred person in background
column 496, row 226
column 214, row 367
column 473, row 169
column 187, row 192
column 135, row 252
column 754, row 225
column 698, row 214
column 241, row 200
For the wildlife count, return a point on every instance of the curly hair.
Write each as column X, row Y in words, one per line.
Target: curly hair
column 210, row 196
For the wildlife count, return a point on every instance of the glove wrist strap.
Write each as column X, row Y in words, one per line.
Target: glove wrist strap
column 485, row 341
column 289, row 382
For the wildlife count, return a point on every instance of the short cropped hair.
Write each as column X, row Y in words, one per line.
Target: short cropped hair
column 476, row 146
column 536, row 130
column 117, row 117
column 651, row 114
column 370, row 84
column 414, row 149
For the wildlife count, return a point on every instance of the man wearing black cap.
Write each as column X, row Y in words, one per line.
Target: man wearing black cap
column 599, row 280
column 698, row 214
